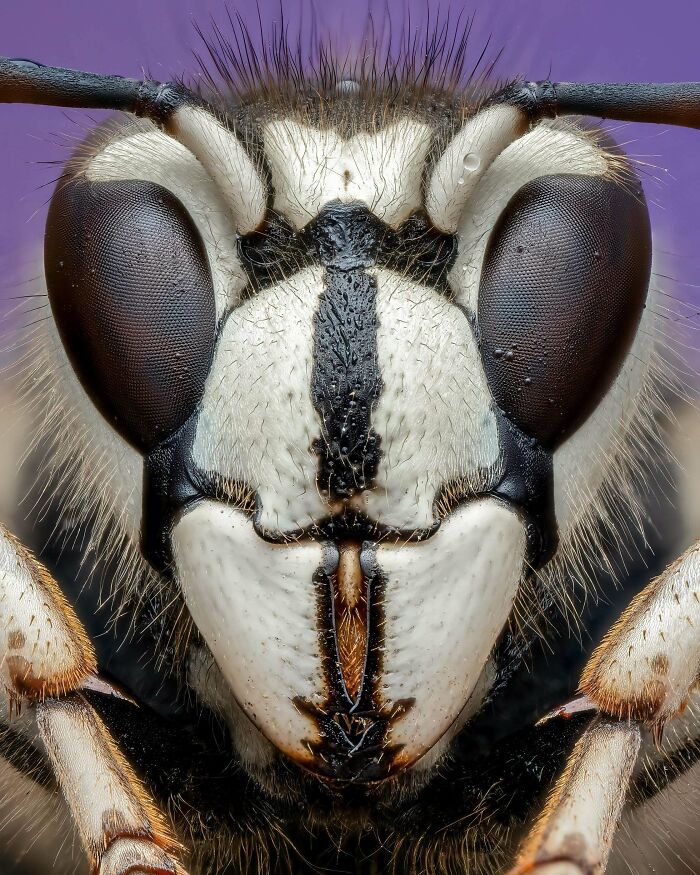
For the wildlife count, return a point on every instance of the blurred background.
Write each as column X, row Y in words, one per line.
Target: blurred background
column 596, row 40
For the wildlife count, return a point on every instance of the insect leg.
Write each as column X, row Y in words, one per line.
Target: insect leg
column 45, row 653
column 659, row 766
column 121, row 828
column 649, row 662
column 574, row 833
column 44, row 650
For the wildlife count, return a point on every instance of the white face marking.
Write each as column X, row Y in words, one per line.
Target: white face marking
column 445, row 602
column 255, row 604
column 434, row 416
column 204, row 675
column 447, row 598
column 473, row 705
column 466, row 159
column 153, row 157
column 258, row 422
column 582, row 462
column 227, row 162
column 312, row 167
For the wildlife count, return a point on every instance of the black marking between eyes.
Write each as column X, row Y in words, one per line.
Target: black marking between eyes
column 346, row 383
column 347, row 239
column 415, row 249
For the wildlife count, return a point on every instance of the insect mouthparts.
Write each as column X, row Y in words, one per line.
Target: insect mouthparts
column 351, row 620
column 354, row 722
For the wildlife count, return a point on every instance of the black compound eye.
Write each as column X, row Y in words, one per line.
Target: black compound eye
column 563, row 286
column 132, row 296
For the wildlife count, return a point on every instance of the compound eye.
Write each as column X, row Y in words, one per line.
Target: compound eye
column 132, row 296
column 563, row 286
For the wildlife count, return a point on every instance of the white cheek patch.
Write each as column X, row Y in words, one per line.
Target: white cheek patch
column 588, row 457
column 154, row 157
column 311, row 167
column 257, row 422
column 543, row 151
column 445, row 602
column 433, row 416
column 255, row 605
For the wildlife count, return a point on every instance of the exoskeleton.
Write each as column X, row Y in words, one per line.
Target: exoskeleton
column 343, row 373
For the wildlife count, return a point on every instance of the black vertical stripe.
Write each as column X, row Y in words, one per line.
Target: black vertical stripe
column 346, row 381
column 347, row 239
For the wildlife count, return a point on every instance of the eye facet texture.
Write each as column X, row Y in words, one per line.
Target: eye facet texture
column 132, row 296
column 563, row 286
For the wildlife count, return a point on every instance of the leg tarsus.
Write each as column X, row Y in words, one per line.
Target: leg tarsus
column 45, row 654
column 574, row 833
column 116, row 817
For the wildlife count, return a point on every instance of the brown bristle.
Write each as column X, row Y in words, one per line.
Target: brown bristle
column 350, row 598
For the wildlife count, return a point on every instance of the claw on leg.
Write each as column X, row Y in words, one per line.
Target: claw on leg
column 43, row 648
column 121, row 828
column 648, row 663
column 573, row 836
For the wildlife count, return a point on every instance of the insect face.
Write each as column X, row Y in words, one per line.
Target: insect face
column 358, row 375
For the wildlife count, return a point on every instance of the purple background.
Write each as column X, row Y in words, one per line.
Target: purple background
column 566, row 39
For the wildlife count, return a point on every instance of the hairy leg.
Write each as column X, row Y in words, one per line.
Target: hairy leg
column 573, row 835
column 643, row 673
column 648, row 664
column 46, row 658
